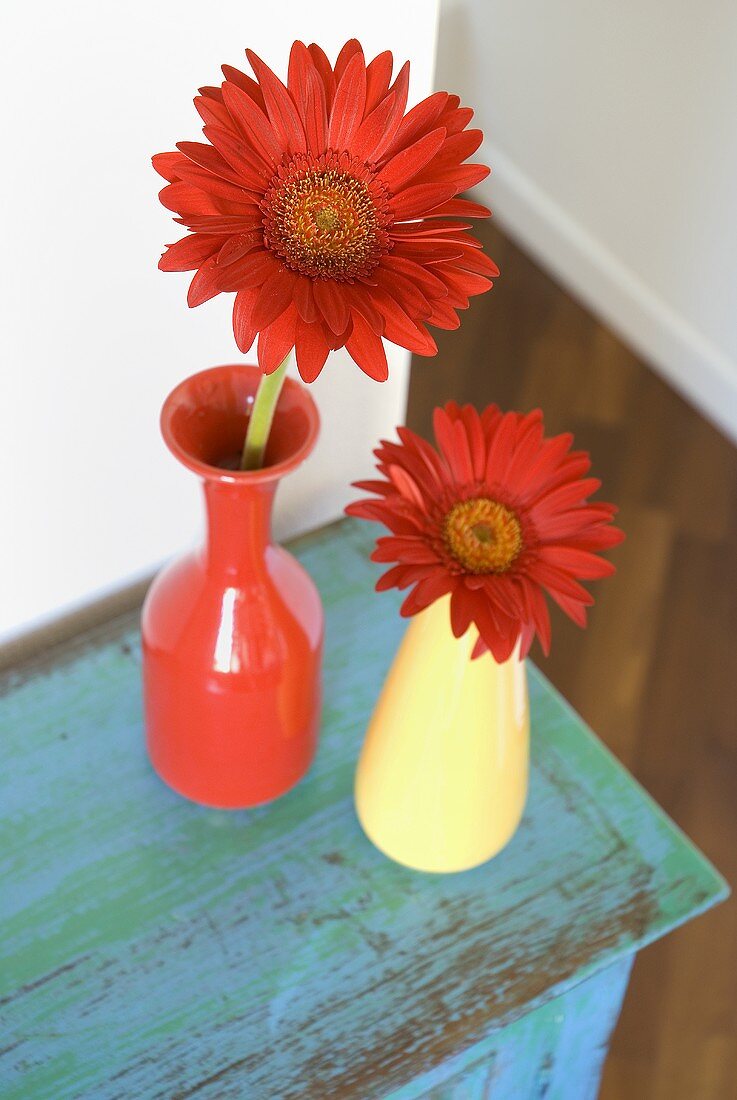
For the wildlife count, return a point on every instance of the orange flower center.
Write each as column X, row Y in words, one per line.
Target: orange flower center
column 483, row 535
column 326, row 218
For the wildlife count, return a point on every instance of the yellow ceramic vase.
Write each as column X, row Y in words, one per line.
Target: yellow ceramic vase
column 442, row 778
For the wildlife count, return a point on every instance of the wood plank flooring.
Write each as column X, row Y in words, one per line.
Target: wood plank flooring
column 655, row 674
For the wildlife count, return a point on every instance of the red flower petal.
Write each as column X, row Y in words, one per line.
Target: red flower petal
column 558, row 583
column 476, row 443
column 400, row 88
column 325, row 71
column 214, row 185
column 185, row 199
column 461, row 208
column 459, row 177
column 312, row 350
column 581, row 562
column 400, row 576
column 463, row 283
column 301, row 66
column 455, row 118
column 462, row 607
column 538, row 613
column 235, row 248
column 279, row 105
column 444, row 315
column 252, row 124
column 189, row 253
column 204, row 285
column 348, row 107
column 572, row 609
column 427, row 591
column 210, row 159
column 372, row 129
column 361, row 300
column 366, row 349
column 222, row 224
column 430, row 283
column 459, row 147
column 477, row 261
column 246, row 84
column 213, row 112
column 498, row 634
column 420, row 120
column 406, row 486
column 411, row 160
column 407, row 549
column 351, row 49
column 378, row 76
column 565, row 496
column 428, row 252
column 309, row 94
column 257, row 267
column 276, row 341
column 166, row 165
column 400, row 328
column 435, row 229
column 304, row 299
column 274, row 297
column 403, row 290
column 249, row 165
column 414, row 202
column 502, row 448
column 244, row 330
column 330, row 301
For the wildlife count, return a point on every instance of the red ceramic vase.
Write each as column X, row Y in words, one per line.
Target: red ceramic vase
column 232, row 633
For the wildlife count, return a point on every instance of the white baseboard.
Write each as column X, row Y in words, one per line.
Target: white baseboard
column 694, row 366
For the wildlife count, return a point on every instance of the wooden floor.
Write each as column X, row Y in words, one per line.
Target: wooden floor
column 656, row 672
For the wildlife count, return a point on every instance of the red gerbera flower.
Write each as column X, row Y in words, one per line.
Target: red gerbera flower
column 328, row 211
column 495, row 517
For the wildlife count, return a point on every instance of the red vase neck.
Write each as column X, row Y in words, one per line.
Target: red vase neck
column 204, row 422
column 238, row 527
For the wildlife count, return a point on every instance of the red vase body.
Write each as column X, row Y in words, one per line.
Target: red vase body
column 232, row 633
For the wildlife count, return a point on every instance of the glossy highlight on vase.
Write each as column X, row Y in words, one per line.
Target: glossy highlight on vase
column 232, row 633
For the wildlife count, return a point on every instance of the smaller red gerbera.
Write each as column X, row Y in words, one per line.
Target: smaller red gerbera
column 497, row 516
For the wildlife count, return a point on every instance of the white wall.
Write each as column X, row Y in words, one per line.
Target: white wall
column 612, row 130
column 92, row 336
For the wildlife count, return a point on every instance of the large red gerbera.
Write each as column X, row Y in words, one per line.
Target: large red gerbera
column 495, row 517
column 329, row 212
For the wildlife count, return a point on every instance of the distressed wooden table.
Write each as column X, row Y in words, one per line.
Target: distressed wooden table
column 151, row 948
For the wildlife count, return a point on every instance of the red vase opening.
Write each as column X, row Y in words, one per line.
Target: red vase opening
column 232, row 633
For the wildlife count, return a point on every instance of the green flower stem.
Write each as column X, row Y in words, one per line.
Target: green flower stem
column 259, row 425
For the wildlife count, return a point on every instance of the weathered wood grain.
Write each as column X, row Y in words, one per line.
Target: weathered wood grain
column 154, row 948
column 556, row 1051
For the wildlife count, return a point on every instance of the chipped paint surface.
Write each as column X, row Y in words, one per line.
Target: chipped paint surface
column 154, row 948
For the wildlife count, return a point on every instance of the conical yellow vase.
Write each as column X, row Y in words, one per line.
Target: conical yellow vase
column 442, row 777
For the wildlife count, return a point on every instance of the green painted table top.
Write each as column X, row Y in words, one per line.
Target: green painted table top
column 151, row 947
